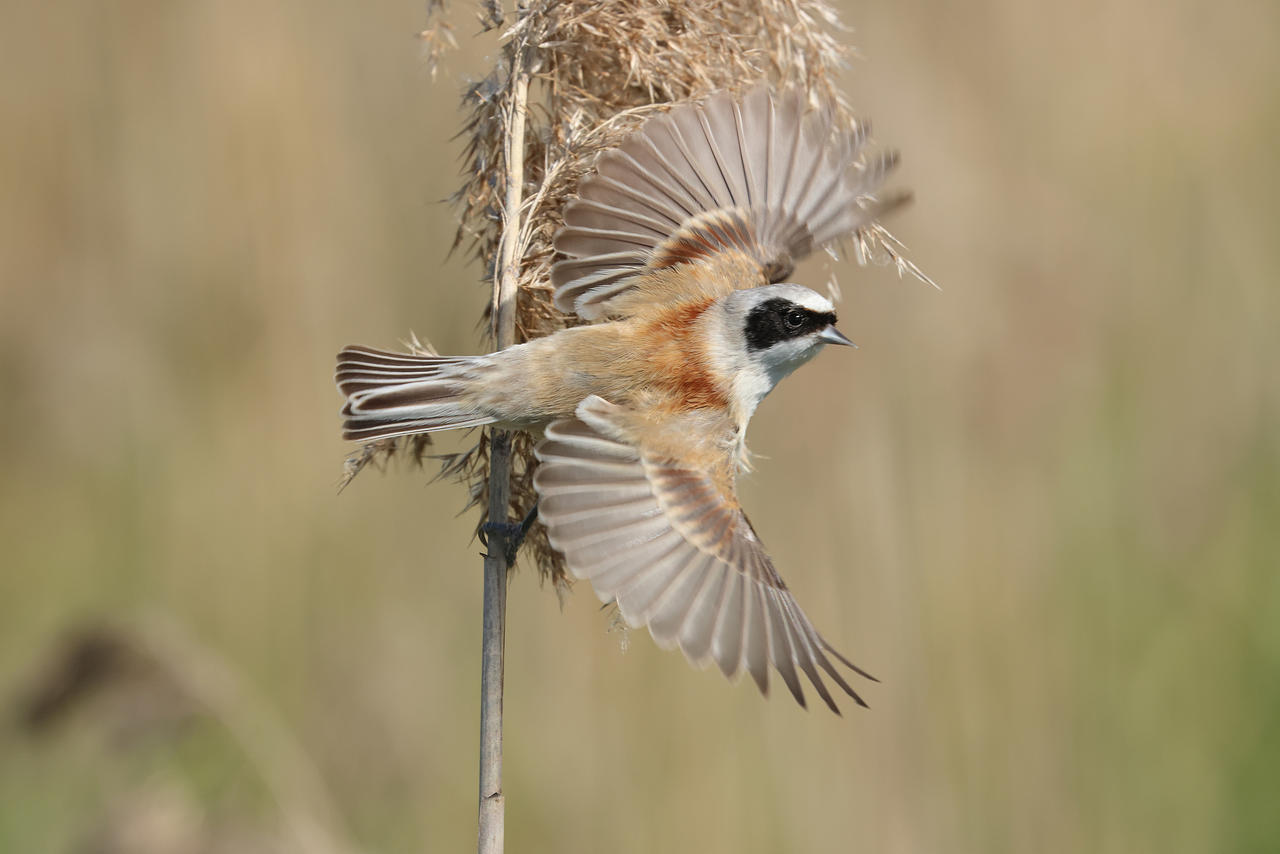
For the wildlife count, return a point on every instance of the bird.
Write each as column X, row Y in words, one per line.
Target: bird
column 676, row 254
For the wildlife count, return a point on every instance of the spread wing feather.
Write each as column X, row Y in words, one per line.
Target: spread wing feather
column 762, row 175
column 658, row 536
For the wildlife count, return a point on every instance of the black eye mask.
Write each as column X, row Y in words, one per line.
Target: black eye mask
column 780, row 319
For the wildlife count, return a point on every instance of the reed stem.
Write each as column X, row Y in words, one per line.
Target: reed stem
column 503, row 318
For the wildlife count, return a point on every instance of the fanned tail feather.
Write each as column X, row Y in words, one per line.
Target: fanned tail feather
column 397, row 394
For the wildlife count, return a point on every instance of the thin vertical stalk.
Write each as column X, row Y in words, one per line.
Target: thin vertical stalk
column 503, row 314
column 492, row 800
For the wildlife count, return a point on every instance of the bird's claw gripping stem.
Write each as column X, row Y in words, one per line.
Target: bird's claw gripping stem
column 510, row 534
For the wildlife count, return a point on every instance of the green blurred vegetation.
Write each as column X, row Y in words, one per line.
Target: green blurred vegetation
column 1042, row 505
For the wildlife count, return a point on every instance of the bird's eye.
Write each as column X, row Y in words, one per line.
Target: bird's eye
column 794, row 318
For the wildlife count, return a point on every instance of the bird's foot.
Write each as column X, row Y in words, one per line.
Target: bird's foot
column 509, row 536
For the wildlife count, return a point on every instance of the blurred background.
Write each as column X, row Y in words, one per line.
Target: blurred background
column 1042, row 505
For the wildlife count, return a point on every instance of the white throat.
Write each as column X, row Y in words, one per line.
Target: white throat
column 753, row 375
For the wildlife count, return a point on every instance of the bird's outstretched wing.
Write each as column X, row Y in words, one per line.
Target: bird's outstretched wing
column 658, row 530
column 763, row 176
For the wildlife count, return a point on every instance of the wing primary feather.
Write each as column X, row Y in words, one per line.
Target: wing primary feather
column 698, row 144
column 838, row 677
column 638, row 596
column 755, row 637
column 661, row 186
column 603, row 184
column 804, row 650
column 875, row 170
column 859, row 215
column 630, row 534
column 590, row 213
column 846, row 662
column 750, row 178
column 798, row 197
column 819, row 644
column 858, row 135
column 669, row 614
column 691, row 178
column 829, row 189
column 585, row 240
column 791, row 125
column 578, row 529
column 625, row 256
column 726, row 645
column 696, row 193
column 828, row 201
column 780, row 649
column 697, row 634
column 607, row 576
column 585, row 504
column 713, row 123
column 756, row 117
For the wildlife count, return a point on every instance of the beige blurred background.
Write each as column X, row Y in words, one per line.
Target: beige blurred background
column 1042, row 505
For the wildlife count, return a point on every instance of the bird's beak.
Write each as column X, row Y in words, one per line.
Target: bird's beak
column 831, row 335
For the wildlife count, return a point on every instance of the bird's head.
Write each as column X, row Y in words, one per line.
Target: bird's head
column 767, row 332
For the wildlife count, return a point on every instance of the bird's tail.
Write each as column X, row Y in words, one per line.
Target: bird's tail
column 396, row 394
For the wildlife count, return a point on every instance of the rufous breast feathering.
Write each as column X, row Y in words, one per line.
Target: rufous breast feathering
column 676, row 251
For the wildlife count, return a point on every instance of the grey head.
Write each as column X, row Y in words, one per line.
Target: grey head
column 775, row 329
